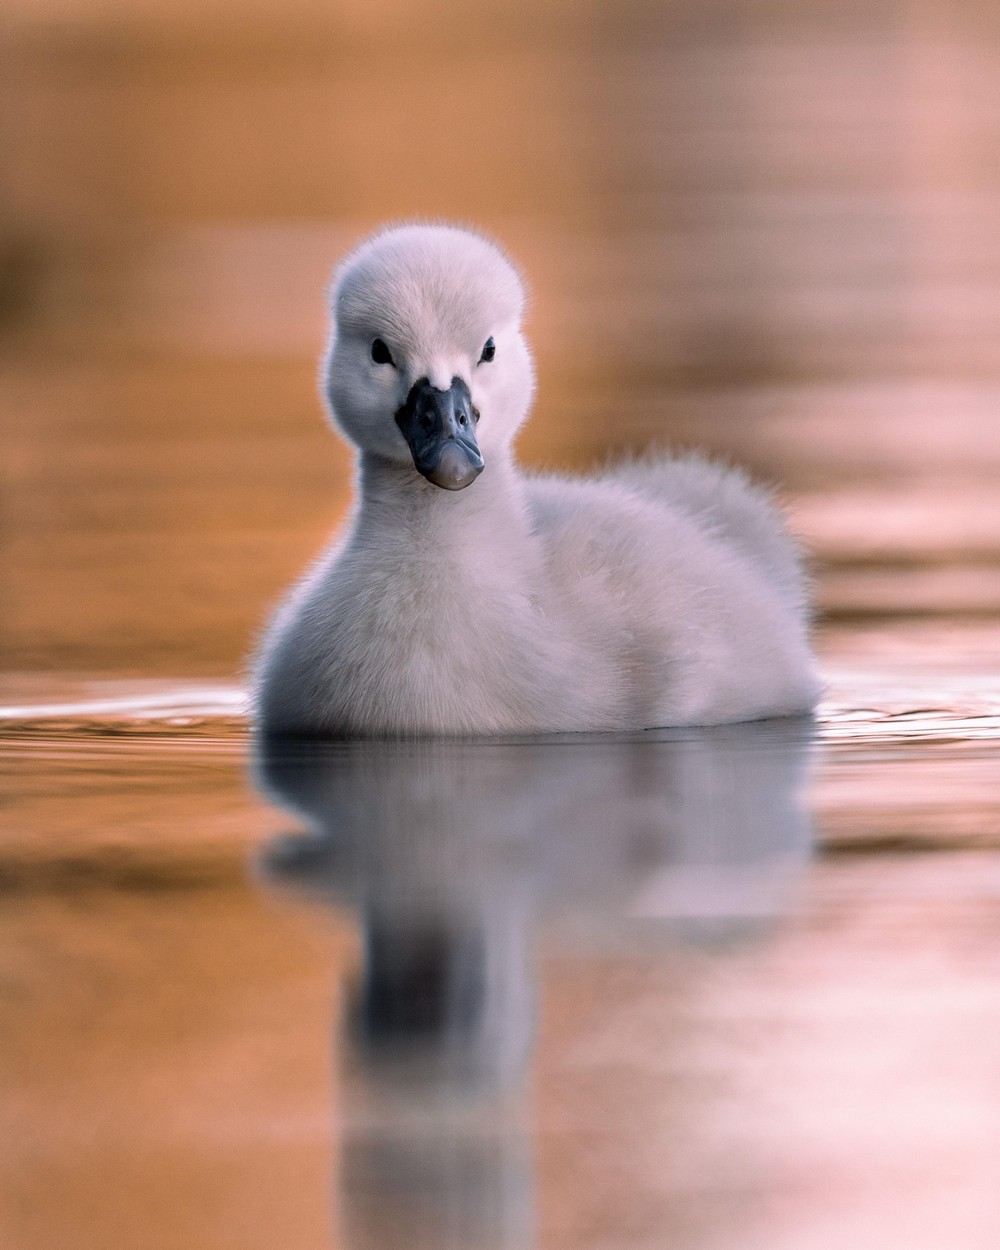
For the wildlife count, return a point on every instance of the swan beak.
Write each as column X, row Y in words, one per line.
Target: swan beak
column 440, row 430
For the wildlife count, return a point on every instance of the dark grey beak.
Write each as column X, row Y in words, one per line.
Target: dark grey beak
column 440, row 429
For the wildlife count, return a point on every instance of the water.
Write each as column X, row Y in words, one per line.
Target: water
column 718, row 989
column 723, row 987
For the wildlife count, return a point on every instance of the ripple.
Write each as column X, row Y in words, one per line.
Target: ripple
column 864, row 705
column 155, row 715
column 868, row 705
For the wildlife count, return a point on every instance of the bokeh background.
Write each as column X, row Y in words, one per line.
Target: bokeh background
column 765, row 227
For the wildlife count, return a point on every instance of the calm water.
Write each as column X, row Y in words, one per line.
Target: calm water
column 737, row 988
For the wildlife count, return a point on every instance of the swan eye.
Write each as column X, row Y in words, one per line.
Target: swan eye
column 381, row 354
column 489, row 351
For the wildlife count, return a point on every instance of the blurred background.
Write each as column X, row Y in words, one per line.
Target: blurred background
column 766, row 228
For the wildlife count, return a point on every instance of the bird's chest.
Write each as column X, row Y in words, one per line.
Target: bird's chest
column 442, row 646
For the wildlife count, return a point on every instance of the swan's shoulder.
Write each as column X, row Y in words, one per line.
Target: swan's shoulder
column 688, row 501
column 709, row 493
column 554, row 499
column 702, row 515
column 602, row 538
column 725, row 502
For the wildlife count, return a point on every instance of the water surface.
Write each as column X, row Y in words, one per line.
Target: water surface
column 731, row 987
column 718, row 989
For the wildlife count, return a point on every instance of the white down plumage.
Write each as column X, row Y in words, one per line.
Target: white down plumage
column 664, row 592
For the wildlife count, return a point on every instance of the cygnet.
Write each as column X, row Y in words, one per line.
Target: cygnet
column 466, row 596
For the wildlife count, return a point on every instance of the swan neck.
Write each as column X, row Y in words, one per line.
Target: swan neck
column 387, row 490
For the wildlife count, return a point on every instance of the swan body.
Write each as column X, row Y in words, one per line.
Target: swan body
column 662, row 592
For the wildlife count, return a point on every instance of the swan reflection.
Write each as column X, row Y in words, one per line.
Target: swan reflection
column 462, row 861
column 695, row 829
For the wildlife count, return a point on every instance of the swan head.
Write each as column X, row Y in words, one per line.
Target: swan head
column 426, row 365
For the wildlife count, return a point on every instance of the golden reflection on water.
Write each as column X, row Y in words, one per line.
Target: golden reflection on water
column 569, row 984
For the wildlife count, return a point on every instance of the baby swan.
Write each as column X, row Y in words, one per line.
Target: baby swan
column 666, row 592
